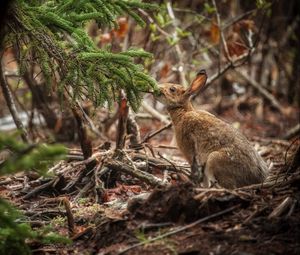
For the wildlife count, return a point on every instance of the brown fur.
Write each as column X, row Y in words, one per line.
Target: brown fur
column 226, row 155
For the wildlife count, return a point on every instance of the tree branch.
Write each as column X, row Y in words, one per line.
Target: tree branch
column 11, row 104
column 262, row 91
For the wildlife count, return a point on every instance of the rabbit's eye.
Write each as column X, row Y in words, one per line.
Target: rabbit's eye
column 172, row 89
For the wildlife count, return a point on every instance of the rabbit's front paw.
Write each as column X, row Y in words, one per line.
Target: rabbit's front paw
column 197, row 171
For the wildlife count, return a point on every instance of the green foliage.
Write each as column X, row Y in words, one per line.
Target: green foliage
column 263, row 4
column 164, row 20
column 52, row 35
column 28, row 157
column 14, row 235
column 209, row 8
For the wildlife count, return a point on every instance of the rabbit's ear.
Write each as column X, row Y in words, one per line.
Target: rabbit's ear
column 198, row 83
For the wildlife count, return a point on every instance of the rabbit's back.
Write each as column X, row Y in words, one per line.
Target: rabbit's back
column 199, row 134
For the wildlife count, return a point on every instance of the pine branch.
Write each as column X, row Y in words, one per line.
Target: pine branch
column 53, row 36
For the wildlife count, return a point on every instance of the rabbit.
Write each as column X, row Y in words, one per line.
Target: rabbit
column 218, row 153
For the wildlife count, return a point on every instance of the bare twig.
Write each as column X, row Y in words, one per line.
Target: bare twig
column 224, row 43
column 155, row 113
column 11, row 104
column 43, row 187
column 133, row 131
column 262, row 91
column 237, row 19
column 85, row 143
column 238, row 61
column 281, row 208
column 89, row 121
column 161, row 164
column 122, row 123
column 294, row 131
column 180, row 229
column 146, row 177
column 181, row 70
column 149, row 136
column 70, row 217
column 163, row 32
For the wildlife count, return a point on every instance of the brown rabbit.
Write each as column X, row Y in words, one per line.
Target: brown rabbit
column 218, row 153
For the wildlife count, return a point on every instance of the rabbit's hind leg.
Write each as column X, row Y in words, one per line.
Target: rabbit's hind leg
column 217, row 171
column 197, row 171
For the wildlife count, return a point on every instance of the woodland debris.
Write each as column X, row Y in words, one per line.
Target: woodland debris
column 274, row 102
column 133, row 131
column 282, row 207
column 122, row 122
column 11, row 104
column 151, row 135
column 70, row 217
column 293, row 132
column 144, row 176
column 180, row 229
column 57, row 184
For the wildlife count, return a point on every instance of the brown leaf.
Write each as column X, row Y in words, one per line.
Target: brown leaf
column 165, row 71
column 245, row 24
column 123, row 28
column 235, row 45
column 214, row 32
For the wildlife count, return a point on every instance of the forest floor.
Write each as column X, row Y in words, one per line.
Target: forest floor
column 176, row 219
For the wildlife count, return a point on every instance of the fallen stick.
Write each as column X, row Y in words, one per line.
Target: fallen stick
column 281, row 208
column 70, row 217
column 180, row 229
column 43, row 187
column 161, row 164
column 293, row 132
column 144, row 176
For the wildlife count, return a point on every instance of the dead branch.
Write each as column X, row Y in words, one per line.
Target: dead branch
column 122, row 123
column 48, row 185
column 11, row 104
column 85, row 142
column 281, row 208
column 155, row 113
column 237, row 62
column 262, row 91
column 70, row 217
column 133, row 131
column 161, row 164
column 86, row 145
column 150, row 135
column 227, row 55
column 238, row 18
column 89, row 121
column 294, row 131
column 178, row 51
column 180, row 229
column 146, row 177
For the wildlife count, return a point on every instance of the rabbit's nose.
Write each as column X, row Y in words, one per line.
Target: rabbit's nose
column 160, row 89
column 159, row 92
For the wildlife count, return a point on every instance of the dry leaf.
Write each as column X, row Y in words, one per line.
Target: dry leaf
column 123, row 28
column 165, row 71
column 214, row 32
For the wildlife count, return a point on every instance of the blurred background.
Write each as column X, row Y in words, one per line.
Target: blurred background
column 250, row 50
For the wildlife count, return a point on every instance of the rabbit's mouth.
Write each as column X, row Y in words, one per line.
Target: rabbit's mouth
column 160, row 97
